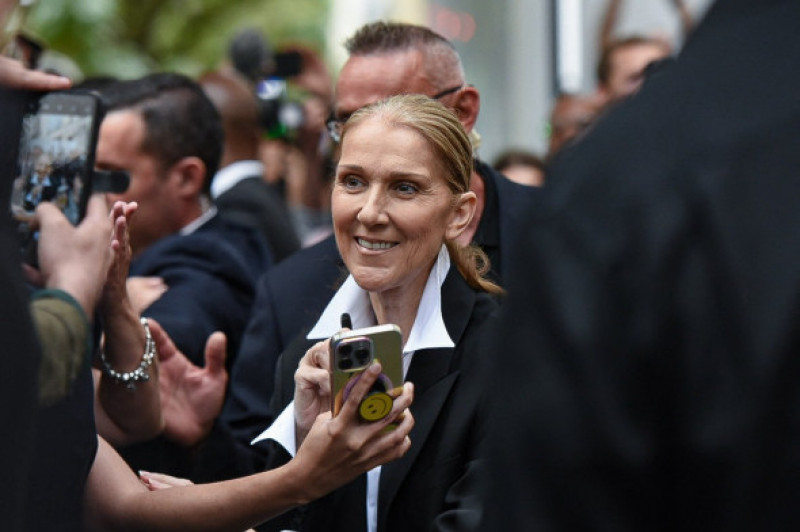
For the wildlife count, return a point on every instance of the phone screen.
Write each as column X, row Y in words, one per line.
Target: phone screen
column 55, row 157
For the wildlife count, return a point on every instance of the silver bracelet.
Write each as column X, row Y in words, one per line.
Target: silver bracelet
column 130, row 378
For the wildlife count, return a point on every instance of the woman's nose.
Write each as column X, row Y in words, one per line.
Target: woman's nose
column 373, row 210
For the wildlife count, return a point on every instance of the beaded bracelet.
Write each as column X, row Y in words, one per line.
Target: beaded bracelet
column 130, row 378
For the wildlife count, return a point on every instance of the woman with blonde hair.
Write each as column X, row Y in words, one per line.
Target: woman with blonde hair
column 400, row 202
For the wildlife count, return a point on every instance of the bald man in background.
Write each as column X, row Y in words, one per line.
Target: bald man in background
column 238, row 188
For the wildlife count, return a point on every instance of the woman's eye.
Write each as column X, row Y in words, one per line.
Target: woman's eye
column 406, row 188
column 350, row 181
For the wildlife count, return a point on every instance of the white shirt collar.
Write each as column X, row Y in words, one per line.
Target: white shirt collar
column 195, row 224
column 428, row 331
column 227, row 177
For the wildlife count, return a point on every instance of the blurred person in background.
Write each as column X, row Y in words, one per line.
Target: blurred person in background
column 520, row 166
column 570, row 116
column 611, row 20
column 622, row 65
column 294, row 89
column 239, row 189
column 624, row 59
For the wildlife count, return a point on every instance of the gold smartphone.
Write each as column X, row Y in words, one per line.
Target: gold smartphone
column 352, row 352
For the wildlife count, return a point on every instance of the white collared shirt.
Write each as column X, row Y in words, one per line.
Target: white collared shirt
column 195, row 224
column 226, row 178
column 428, row 332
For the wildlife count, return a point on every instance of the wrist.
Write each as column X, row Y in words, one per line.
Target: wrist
column 117, row 308
column 83, row 293
column 299, row 481
column 141, row 373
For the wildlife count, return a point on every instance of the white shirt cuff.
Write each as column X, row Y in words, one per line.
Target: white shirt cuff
column 282, row 431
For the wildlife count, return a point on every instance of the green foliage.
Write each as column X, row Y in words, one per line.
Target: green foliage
column 127, row 38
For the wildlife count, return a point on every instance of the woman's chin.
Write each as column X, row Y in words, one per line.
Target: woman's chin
column 372, row 281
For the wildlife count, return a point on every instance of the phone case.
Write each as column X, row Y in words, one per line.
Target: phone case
column 348, row 361
column 55, row 159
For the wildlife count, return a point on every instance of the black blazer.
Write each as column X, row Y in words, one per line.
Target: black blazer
column 434, row 485
column 289, row 299
column 211, row 275
column 256, row 204
column 653, row 307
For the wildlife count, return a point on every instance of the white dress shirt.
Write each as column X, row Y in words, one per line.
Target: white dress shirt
column 198, row 222
column 226, row 178
column 428, row 332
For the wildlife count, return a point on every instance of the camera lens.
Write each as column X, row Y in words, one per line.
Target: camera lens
column 343, row 352
column 344, row 349
column 362, row 356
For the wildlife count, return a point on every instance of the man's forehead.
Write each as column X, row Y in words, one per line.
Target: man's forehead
column 120, row 130
column 368, row 78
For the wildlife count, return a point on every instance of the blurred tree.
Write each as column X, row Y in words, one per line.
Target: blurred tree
column 127, row 38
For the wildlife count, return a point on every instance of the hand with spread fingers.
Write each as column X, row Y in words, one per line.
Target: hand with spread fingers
column 191, row 397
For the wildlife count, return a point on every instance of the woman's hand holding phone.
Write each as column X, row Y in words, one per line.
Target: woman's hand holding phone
column 338, row 449
column 312, row 390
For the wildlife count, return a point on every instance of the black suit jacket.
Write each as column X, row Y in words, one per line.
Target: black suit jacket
column 211, row 275
column 256, row 204
column 289, row 299
column 433, row 487
column 653, row 307
column 293, row 294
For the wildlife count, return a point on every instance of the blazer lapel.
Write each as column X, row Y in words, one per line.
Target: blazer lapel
column 433, row 372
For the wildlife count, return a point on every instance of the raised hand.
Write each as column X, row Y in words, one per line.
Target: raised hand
column 191, row 397
column 120, row 216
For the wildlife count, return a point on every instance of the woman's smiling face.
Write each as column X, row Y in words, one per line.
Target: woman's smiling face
column 392, row 207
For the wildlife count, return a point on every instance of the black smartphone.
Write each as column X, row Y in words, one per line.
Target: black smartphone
column 55, row 160
column 352, row 352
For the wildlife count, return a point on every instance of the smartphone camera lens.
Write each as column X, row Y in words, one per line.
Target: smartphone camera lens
column 362, row 356
column 345, row 361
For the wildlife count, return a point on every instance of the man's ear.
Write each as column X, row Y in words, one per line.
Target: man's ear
column 189, row 175
column 463, row 212
column 467, row 106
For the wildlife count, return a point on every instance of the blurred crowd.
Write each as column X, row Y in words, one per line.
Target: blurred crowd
column 599, row 336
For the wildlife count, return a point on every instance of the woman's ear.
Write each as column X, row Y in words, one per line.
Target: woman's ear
column 189, row 175
column 464, row 210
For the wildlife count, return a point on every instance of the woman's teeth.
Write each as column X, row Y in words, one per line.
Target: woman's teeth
column 374, row 245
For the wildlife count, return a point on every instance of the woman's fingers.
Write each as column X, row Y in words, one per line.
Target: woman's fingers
column 317, row 379
column 360, row 389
